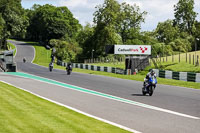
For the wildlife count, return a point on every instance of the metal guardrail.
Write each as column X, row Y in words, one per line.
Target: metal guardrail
column 185, row 76
column 2, row 66
column 7, row 63
column 95, row 68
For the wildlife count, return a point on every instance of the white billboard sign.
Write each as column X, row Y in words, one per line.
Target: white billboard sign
column 133, row 49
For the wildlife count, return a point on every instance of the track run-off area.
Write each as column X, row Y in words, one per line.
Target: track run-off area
column 118, row 101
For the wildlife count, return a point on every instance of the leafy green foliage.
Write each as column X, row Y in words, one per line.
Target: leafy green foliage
column 49, row 22
column 2, row 24
column 173, row 38
column 129, row 19
column 15, row 20
column 65, row 51
column 85, row 40
column 105, row 19
column 115, row 24
column 166, row 32
column 185, row 15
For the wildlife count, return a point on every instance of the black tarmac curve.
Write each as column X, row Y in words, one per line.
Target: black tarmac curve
column 178, row 99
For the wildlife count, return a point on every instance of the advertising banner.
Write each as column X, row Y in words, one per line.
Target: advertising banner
column 133, row 49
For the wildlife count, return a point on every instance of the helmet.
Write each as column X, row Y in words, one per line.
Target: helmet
column 152, row 72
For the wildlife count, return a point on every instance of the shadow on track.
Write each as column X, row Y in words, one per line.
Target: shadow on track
column 137, row 95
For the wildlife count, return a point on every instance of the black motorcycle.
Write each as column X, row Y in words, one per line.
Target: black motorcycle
column 150, row 86
column 24, row 59
column 50, row 68
column 69, row 69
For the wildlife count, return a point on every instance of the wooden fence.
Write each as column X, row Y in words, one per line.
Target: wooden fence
column 184, row 57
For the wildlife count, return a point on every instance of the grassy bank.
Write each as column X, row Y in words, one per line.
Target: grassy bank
column 22, row 112
column 42, row 56
column 167, row 63
column 12, row 47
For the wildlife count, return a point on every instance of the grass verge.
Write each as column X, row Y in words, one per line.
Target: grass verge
column 22, row 112
column 43, row 58
column 168, row 63
column 12, row 47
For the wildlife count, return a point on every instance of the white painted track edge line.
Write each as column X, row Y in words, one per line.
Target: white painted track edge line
column 74, row 109
column 15, row 49
column 34, row 54
column 139, row 104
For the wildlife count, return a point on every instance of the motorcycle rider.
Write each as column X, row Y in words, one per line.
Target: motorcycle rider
column 151, row 73
column 69, row 67
column 50, row 65
column 24, row 59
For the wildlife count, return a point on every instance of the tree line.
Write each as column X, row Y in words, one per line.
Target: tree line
column 114, row 23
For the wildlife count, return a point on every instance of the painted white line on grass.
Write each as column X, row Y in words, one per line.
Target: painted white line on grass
column 76, row 110
column 96, row 93
column 34, row 54
column 15, row 49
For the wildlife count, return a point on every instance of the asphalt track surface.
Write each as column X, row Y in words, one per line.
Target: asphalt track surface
column 182, row 100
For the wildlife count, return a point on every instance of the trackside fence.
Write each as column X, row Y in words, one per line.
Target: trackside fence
column 184, row 76
column 96, row 68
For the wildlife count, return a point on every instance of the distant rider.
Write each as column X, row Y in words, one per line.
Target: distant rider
column 69, row 67
column 24, row 59
column 151, row 73
column 51, row 66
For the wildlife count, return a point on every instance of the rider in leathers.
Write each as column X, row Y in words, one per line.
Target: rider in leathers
column 151, row 73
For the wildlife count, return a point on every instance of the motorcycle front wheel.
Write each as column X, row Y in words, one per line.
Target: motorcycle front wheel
column 151, row 88
column 143, row 91
column 68, row 72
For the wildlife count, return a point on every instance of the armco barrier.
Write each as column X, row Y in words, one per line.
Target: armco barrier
column 184, row 76
column 175, row 75
column 191, row 77
column 95, row 68
column 162, row 73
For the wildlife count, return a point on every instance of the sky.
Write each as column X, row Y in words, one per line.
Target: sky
column 158, row 10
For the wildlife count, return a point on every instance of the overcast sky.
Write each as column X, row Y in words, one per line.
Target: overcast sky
column 158, row 10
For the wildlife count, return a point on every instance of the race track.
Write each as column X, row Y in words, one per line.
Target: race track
column 170, row 109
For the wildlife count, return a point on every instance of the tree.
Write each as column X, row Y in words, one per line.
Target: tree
column 166, row 32
column 105, row 36
column 185, row 15
column 15, row 21
column 107, row 13
column 129, row 19
column 85, row 40
column 116, row 24
column 196, row 34
column 49, row 22
column 181, row 45
column 105, row 32
column 2, row 24
column 65, row 51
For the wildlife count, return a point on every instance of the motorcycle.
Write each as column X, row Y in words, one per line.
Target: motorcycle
column 150, row 86
column 69, row 70
column 24, row 59
column 50, row 68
